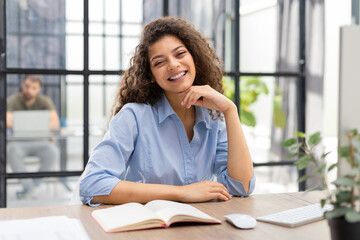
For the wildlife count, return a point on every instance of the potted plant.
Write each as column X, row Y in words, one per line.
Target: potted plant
column 251, row 88
column 344, row 219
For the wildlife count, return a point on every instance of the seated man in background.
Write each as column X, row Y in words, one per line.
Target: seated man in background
column 30, row 98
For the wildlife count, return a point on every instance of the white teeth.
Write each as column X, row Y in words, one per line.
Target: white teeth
column 177, row 76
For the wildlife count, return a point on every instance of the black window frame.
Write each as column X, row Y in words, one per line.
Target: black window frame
column 86, row 72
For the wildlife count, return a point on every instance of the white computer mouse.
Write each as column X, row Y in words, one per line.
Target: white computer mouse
column 242, row 221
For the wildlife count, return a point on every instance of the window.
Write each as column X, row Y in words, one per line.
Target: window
column 80, row 49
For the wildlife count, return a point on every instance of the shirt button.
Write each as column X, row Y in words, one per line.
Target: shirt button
column 188, row 160
column 189, row 181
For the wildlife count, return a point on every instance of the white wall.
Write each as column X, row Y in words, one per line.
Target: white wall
column 337, row 13
column 349, row 98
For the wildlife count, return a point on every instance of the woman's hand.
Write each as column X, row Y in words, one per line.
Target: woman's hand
column 207, row 97
column 203, row 191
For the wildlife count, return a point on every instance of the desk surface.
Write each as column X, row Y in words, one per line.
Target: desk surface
column 256, row 205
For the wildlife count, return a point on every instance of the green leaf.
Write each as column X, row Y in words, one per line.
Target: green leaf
column 357, row 159
column 304, row 178
column 262, row 88
column 321, row 168
column 352, row 217
column 356, row 143
column 314, row 139
column 290, row 156
column 353, row 172
column 337, row 212
column 303, row 162
column 343, row 197
column 289, row 142
column 344, row 181
column 247, row 118
column 344, row 151
column 300, row 134
column 322, row 202
column 354, row 132
column 248, row 97
column 295, row 147
column 325, row 154
column 229, row 88
column 279, row 117
column 332, row 166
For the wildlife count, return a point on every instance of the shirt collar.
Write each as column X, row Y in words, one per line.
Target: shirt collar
column 202, row 115
column 165, row 110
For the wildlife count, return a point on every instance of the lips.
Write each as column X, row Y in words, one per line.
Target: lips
column 177, row 76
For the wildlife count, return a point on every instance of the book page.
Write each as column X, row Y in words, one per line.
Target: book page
column 129, row 216
column 179, row 212
column 43, row 228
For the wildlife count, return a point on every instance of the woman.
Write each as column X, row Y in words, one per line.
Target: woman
column 168, row 138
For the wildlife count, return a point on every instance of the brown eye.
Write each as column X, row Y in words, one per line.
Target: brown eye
column 181, row 53
column 157, row 63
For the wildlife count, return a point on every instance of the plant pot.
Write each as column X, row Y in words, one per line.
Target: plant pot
column 343, row 230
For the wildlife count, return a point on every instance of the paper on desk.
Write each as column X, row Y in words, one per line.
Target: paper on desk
column 44, row 228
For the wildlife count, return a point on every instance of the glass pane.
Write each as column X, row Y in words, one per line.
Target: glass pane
column 229, row 87
column 152, row 9
column 277, row 179
column 268, row 113
column 74, row 52
column 128, row 48
column 112, row 29
column 112, row 53
column 74, row 10
column 131, row 11
column 44, row 192
column 36, row 33
column 74, row 122
column 131, row 29
column 74, row 27
column 102, row 91
column 208, row 17
column 258, row 36
column 33, row 123
column 96, row 51
column 96, row 10
column 112, row 10
column 96, row 28
column 44, row 132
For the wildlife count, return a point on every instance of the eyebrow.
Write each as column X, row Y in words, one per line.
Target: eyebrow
column 159, row 56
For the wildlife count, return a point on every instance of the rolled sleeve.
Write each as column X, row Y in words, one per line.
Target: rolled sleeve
column 107, row 185
column 107, row 164
column 235, row 187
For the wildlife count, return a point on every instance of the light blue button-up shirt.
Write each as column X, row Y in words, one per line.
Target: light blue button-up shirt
column 149, row 144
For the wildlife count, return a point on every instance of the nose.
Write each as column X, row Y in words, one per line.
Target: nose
column 173, row 64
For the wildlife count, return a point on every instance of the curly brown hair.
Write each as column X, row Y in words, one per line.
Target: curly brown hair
column 136, row 85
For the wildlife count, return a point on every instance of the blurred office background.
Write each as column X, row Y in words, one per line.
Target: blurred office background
column 280, row 68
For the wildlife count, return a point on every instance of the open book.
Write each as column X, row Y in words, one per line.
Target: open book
column 154, row 214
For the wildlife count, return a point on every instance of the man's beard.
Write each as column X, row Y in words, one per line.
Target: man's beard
column 28, row 98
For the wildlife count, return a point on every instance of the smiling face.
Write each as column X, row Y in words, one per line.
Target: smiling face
column 172, row 65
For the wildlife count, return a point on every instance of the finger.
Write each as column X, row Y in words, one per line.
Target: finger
column 222, row 191
column 192, row 98
column 186, row 97
column 220, row 196
column 221, row 188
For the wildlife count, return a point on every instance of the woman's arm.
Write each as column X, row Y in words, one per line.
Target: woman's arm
column 126, row 191
column 239, row 163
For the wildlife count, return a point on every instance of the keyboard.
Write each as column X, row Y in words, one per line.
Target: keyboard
column 298, row 216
